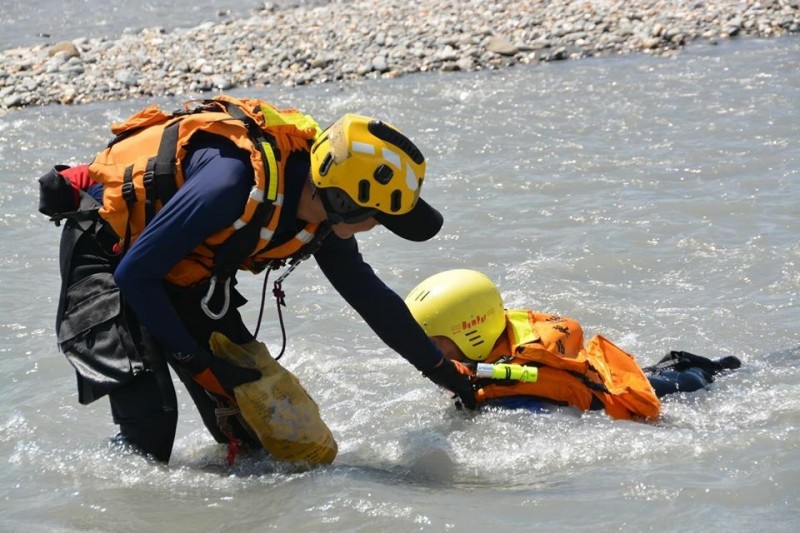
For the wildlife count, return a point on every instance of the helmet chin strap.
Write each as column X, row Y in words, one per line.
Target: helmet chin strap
column 312, row 207
column 355, row 215
column 333, row 216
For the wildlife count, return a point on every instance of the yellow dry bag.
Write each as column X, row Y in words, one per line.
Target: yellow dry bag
column 278, row 409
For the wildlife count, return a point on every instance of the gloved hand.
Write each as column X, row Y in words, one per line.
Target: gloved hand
column 214, row 374
column 454, row 377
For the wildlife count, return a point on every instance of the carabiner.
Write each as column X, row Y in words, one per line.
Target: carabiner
column 210, row 294
column 292, row 265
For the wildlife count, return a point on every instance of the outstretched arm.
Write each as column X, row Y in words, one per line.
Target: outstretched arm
column 388, row 316
column 380, row 307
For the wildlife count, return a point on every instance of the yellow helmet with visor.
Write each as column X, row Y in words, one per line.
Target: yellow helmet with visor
column 364, row 167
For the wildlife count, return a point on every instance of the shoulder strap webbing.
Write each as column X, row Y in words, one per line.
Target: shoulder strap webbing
column 159, row 176
column 238, row 247
column 229, row 255
column 263, row 140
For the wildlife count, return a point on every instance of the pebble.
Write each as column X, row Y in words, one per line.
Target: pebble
column 346, row 40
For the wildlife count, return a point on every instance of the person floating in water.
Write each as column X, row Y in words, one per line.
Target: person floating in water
column 463, row 313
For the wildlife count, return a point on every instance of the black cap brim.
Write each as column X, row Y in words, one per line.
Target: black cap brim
column 419, row 224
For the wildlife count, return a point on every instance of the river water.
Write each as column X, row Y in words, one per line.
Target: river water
column 655, row 200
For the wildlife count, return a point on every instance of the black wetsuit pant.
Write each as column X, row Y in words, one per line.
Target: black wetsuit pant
column 689, row 380
column 146, row 408
column 681, row 371
column 670, row 381
column 144, row 404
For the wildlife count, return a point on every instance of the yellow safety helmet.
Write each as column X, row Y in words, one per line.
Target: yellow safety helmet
column 364, row 167
column 462, row 305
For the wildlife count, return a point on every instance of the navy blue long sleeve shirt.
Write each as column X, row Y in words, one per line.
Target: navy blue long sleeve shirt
column 218, row 179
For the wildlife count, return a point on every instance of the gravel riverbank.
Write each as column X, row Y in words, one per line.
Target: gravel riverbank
column 344, row 40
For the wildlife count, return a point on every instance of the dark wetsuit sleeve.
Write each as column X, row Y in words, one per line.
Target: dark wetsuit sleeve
column 218, row 181
column 383, row 310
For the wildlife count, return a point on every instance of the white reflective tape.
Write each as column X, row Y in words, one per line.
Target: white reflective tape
column 239, row 224
column 266, row 234
column 364, row 148
column 304, row 236
column 257, row 195
column 392, row 157
column 278, row 200
column 411, row 179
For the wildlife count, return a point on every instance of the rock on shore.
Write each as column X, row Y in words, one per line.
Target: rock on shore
column 344, row 40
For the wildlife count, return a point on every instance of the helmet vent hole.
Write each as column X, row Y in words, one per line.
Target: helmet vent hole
column 326, row 164
column 383, row 174
column 363, row 191
column 474, row 338
column 422, row 295
column 397, row 198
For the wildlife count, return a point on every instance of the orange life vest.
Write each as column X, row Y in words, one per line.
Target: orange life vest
column 569, row 372
column 142, row 168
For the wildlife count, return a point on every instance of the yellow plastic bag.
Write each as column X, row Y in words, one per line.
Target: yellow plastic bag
column 278, row 409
